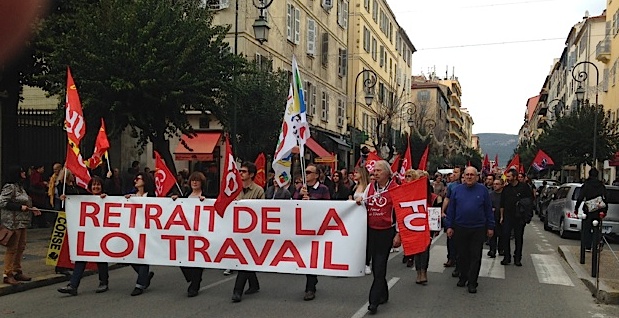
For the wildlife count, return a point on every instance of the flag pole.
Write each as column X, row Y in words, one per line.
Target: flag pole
column 302, row 160
column 64, row 182
column 179, row 188
column 107, row 157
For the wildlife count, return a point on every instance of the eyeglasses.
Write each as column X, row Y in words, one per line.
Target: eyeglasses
column 297, row 182
column 469, row 174
column 309, row 172
column 408, row 177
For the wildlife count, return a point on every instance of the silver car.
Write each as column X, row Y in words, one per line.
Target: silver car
column 560, row 214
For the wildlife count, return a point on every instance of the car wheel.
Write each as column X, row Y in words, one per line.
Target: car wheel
column 546, row 226
column 562, row 232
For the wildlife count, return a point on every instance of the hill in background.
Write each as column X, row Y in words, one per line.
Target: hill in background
column 501, row 144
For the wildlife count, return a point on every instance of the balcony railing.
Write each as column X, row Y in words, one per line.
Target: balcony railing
column 602, row 51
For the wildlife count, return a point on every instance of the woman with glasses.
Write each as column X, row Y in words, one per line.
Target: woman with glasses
column 145, row 186
column 193, row 275
column 17, row 211
column 382, row 234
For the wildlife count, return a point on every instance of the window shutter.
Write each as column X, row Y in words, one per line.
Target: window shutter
column 313, row 102
column 297, row 26
column 289, row 17
column 325, row 49
column 345, row 15
column 311, row 37
column 344, row 62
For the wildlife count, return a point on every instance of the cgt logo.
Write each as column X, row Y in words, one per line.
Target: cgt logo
column 160, row 177
column 231, row 183
column 419, row 212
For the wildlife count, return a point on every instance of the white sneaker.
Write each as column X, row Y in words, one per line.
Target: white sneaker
column 227, row 272
column 368, row 270
column 396, row 250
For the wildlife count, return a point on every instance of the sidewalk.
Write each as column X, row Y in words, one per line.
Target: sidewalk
column 609, row 272
column 33, row 264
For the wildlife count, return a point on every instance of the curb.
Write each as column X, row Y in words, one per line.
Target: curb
column 46, row 280
column 605, row 294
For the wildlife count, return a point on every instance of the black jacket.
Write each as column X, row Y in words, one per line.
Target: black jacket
column 592, row 188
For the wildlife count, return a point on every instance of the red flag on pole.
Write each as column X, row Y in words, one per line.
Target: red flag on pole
column 496, row 161
column 514, row 164
column 164, row 178
column 76, row 165
column 542, row 161
column 231, row 183
column 485, row 167
column 395, row 164
column 261, row 164
column 74, row 117
column 423, row 162
column 371, row 161
column 407, row 162
column 101, row 147
column 411, row 208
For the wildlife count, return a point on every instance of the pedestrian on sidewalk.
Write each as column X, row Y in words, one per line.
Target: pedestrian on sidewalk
column 16, row 214
column 591, row 189
column 95, row 186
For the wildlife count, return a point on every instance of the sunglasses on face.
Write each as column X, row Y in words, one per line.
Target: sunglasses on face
column 309, row 172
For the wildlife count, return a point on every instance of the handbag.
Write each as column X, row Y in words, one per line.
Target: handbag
column 596, row 204
column 5, row 235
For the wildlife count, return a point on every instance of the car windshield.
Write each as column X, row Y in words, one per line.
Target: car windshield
column 612, row 195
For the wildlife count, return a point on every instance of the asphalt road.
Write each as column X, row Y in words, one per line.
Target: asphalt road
column 544, row 287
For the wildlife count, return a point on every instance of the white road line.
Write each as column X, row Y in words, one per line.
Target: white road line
column 549, row 270
column 491, row 267
column 364, row 309
column 544, row 240
column 438, row 255
column 544, row 249
column 217, row 283
column 394, row 254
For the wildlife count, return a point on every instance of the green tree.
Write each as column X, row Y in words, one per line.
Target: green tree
column 139, row 64
column 260, row 98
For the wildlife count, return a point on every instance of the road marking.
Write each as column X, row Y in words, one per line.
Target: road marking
column 549, row 270
column 544, row 249
column 491, row 267
column 218, row 283
column 544, row 240
column 438, row 254
column 364, row 309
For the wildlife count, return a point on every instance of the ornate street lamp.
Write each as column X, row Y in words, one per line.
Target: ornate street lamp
column 261, row 26
column 368, row 87
column 580, row 95
column 559, row 101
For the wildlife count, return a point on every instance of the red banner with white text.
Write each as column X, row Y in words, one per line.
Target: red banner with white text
column 411, row 209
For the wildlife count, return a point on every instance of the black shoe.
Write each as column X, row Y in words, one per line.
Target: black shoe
column 472, row 289
column 309, row 295
column 236, row 297
column 68, row 290
column 517, row 263
column 505, row 262
column 250, row 291
column 383, row 301
column 404, row 259
column 102, row 288
column 373, row 308
column 192, row 293
column 455, row 273
column 501, row 253
column 461, row 283
column 150, row 277
column 137, row 291
column 492, row 255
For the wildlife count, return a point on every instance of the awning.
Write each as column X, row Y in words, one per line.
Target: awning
column 316, row 148
column 341, row 143
column 201, row 145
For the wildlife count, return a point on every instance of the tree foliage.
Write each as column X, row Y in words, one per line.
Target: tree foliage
column 138, row 64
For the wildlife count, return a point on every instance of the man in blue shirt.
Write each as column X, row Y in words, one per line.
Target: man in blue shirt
column 469, row 221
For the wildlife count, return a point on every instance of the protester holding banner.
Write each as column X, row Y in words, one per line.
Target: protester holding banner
column 145, row 186
column 469, row 221
column 361, row 178
column 95, row 186
column 276, row 192
column 381, row 230
column 250, row 191
column 311, row 190
column 193, row 275
column 16, row 207
column 66, row 185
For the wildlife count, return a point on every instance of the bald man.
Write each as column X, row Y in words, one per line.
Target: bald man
column 469, row 221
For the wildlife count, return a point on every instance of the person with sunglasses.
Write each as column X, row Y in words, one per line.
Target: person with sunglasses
column 311, row 190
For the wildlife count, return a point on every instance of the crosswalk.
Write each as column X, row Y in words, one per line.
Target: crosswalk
column 548, row 267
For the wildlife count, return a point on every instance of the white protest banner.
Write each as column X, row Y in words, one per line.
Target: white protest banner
column 286, row 236
column 434, row 215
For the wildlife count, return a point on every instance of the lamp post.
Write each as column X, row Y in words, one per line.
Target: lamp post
column 554, row 108
column 261, row 26
column 368, row 85
column 581, row 77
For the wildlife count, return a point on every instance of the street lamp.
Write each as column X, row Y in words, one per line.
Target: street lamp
column 368, row 85
column 580, row 94
column 261, row 26
column 559, row 101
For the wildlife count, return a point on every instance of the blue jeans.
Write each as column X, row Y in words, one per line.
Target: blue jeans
column 79, row 269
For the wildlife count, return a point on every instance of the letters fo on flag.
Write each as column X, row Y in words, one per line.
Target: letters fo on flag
column 370, row 162
column 411, row 208
column 260, row 177
column 74, row 117
column 231, row 184
column 164, row 179
column 542, row 161
column 101, row 146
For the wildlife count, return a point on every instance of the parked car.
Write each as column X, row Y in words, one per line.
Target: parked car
column 544, row 199
column 537, row 184
column 560, row 214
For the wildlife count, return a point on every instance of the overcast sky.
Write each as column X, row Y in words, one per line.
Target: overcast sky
column 496, row 79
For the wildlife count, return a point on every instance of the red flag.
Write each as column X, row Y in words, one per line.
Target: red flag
column 261, row 164
column 101, row 147
column 164, row 178
column 514, row 164
column 395, row 164
column 423, row 162
column 485, row 166
column 468, row 163
column 542, row 161
column 411, row 209
column 74, row 117
column 521, row 169
column 371, row 161
column 496, row 161
column 75, row 164
column 231, row 184
column 407, row 162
